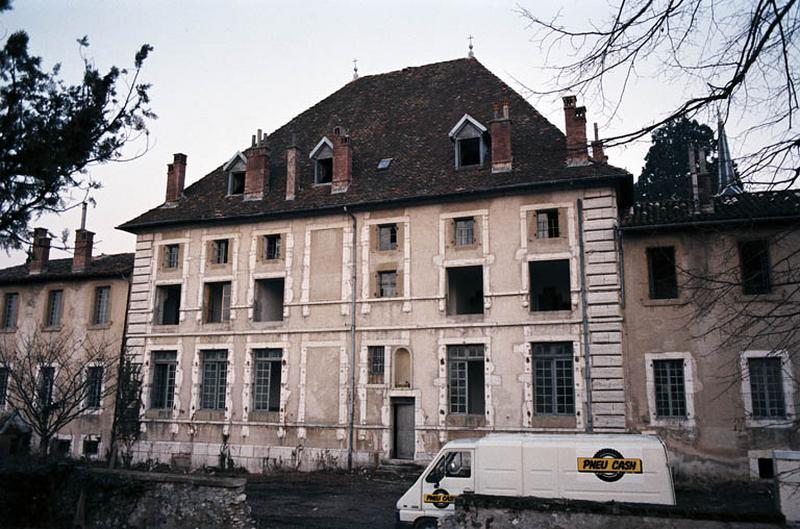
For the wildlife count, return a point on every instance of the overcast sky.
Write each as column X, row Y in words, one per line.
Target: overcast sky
column 220, row 70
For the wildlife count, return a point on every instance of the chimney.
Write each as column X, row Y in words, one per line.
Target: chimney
column 41, row 251
column 575, row 123
column 500, row 131
column 597, row 148
column 84, row 240
column 256, row 176
column 292, row 168
column 176, row 177
column 702, row 194
column 342, row 160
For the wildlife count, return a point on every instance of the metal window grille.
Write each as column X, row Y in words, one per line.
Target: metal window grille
column 375, row 361
column 387, row 237
column 54, row 299
column 215, row 371
column 95, row 387
column 387, row 284
column 267, row 379
column 553, row 378
column 754, row 259
column 163, row 391
column 220, row 251
column 171, row 256
column 766, row 388
column 464, row 231
column 47, row 375
column 670, row 388
column 10, row 310
column 547, row 225
column 3, row 386
column 101, row 297
column 272, row 247
column 459, row 358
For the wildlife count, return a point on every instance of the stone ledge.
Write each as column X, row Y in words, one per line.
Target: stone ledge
column 162, row 477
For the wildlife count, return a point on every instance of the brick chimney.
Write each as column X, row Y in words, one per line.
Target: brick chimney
column 342, row 160
column 256, row 176
column 292, row 168
column 575, row 123
column 500, row 131
column 598, row 156
column 176, row 177
column 84, row 240
column 40, row 252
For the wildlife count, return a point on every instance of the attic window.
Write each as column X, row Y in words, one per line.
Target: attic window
column 384, row 164
column 469, row 137
column 322, row 155
column 236, row 183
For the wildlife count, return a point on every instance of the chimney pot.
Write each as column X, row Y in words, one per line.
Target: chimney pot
column 575, row 124
column 41, row 251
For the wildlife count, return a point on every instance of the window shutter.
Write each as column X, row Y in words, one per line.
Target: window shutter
column 226, row 302
column 399, row 283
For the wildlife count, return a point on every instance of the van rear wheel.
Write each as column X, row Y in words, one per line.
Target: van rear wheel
column 426, row 523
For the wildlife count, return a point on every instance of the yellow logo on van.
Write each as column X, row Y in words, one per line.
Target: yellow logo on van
column 609, row 465
column 439, row 498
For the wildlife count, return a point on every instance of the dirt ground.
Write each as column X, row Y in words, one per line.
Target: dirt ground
column 366, row 500
column 326, row 500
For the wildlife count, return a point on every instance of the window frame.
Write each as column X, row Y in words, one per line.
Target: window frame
column 216, row 389
column 167, row 262
column 550, row 229
column 273, row 240
column 765, row 269
column 651, row 253
column 323, row 151
column 389, row 289
column 209, row 304
column 96, row 306
column 94, row 388
column 160, row 299
column 376, row 365
column 161, row 358
column 788, row 384
column 533, row 301
column 461, row 227
column 53, row 319
column 391, row 243
column 216, row 254
column 9, row 321
column 454, row 355
column 689, row 368
column 461, row 132
column 232, row 175
column 272, row 356
column 551, row 372
column 5, row 379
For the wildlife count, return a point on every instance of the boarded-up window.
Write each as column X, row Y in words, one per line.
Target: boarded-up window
column 326, row 265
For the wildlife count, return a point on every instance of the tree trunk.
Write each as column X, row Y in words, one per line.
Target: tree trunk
column 43, row 445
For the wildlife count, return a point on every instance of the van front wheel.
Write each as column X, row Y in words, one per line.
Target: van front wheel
column 426, row 523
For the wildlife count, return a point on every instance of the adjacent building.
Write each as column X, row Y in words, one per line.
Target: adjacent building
column 421, row 256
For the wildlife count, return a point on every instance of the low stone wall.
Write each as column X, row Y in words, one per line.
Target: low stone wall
column 475, row 511
column 171, row 501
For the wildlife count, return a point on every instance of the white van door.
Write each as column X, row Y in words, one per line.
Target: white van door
column 451, row 476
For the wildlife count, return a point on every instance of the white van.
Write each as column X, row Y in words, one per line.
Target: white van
column 621, row 467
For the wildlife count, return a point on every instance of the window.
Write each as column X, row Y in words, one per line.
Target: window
column 323, row 161
column 3, row 386
column 47, row 375
column 553, row 378
column 387, row 284
column 387, row 237
column 94, row 389
column 236, row 183
column 267, row 379
column 101, row 298
column 451, row 465
column 465, row 379
column 268, row 303
column 168, row 304
column 661, row 272
column 10, row 305
column 91, row 447
column 766, row 468
column 465, row 290
column 54, row 302
column 219, row 251
column 375, row 364
column 384, row 163
column 218, row 302
column 464, row 231
column 547, row 224
column 272, row 247
column 470, row 145
column 766, row 388
column 550, row 285
column 162, row 392
column 212, row 389
column 171, row 253
column 670, row 388
column 754, row 259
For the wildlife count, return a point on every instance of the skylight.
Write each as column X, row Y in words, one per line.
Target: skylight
column 384, row 163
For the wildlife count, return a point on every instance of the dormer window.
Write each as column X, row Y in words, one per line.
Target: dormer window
column 322, row 155
column 469, row 137
column 235, row 171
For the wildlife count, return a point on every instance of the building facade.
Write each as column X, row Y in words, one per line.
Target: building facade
column 419, row 257
column 55, row 310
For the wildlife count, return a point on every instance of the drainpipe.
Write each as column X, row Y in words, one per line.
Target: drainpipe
column 587, row 384
column 352, row 411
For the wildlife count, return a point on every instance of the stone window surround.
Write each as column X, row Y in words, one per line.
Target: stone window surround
column 196, row 379
column 788, row 389
column 147, row 383
column 287, row 257
column 247, row 383
column 481, row 217
column 680, row 264
column 689, row 369
column 346, row 292
column 231, row 267
column 403, row 245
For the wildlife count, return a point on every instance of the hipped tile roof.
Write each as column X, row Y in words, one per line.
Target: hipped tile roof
column 405, row 115
column 102, row 266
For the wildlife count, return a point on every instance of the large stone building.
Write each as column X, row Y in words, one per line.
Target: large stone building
column 56, row 310
column 420, row 256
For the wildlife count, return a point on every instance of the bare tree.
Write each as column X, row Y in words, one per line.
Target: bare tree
column 735, row 57
column 54, row 377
